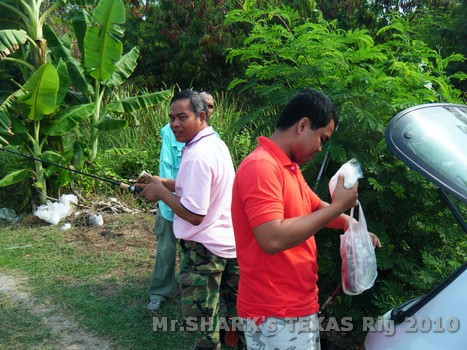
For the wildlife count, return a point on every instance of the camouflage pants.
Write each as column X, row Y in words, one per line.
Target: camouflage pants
column 297, row 333
column 204, row 279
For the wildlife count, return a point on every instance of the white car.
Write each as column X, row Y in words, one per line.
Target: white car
column 432, row 140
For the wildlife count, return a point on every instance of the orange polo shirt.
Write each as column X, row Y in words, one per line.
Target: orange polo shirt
column 269, row 186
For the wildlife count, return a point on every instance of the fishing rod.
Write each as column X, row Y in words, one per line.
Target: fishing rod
column 122, row 185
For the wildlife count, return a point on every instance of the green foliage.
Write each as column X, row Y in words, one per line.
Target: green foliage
column 62, row 92
column 15, row 177
column 445, row 28
column 102, row 45
column 369, row 77
column 183, row 43
column 31, row 116
column 25, row 111
column 376, row 14
column 227, row 121
column 440, row 24
column 10, row 41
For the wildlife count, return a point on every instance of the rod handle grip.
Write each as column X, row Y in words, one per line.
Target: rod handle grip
column 131, row 188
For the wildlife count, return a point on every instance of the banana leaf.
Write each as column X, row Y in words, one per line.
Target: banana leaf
column 67, row 119
column 133, row 104
column 15, row 177
column 11, row 40
column 74, row 69
column 124, row 68
column 41, row 96
column 5, row 122
column 80, row 22
column 51, row 157
column 102, row 46
column 79, row 158
column 111, row 124
column 64, row 79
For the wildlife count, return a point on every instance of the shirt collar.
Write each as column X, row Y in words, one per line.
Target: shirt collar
column 277, row 152
column 207, row 131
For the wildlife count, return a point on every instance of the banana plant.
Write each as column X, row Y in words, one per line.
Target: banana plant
column 22, row 44
column 36, row 106
column 83, row 87
column 105, row 67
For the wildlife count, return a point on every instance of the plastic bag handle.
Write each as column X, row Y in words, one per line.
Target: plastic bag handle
column 351, row 214
column 361, row 216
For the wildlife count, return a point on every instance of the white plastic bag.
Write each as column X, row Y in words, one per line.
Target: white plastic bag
column 54, row 212
column 352, row 172
column 358, row 270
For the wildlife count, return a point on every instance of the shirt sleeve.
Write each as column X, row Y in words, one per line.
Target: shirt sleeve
column 261, row 191
column 197, row 189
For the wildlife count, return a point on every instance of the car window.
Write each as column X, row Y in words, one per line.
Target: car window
column 432, row 140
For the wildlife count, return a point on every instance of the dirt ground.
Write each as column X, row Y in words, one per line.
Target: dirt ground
column 64, row 327
column 137, row 229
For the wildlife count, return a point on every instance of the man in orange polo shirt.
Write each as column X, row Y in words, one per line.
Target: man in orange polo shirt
column 275, row 215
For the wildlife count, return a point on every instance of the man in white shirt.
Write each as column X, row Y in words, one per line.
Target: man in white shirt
column 202, row 220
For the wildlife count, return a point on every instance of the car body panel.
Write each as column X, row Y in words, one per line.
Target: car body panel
column 441, row 323
column 432, row 140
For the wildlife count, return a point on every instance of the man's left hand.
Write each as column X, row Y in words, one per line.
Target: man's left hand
column 374, row 240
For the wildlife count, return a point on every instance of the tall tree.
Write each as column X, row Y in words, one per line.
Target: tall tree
column 373, row 14
column 444, row 28
column 183, row 43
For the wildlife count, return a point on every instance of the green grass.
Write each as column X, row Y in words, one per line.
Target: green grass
column 96, row 278
column 22, row 330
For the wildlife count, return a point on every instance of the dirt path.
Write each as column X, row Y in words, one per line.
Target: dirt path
column 67, row 330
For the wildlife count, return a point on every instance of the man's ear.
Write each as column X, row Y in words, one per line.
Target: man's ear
column 202, row 116
column 302, row 124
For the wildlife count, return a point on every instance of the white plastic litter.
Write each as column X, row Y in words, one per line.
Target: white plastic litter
column 352, row 172
column 96, row 220
column 9, row 215
column 54, row 212
column 65, row 227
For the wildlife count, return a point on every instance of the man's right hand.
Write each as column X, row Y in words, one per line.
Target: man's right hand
column 345, row 198
column 151, row 188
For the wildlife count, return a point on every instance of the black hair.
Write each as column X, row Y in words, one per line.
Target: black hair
column 310, row 103
column 197, row 102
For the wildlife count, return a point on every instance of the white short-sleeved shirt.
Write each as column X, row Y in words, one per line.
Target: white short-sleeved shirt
column 204, row 184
